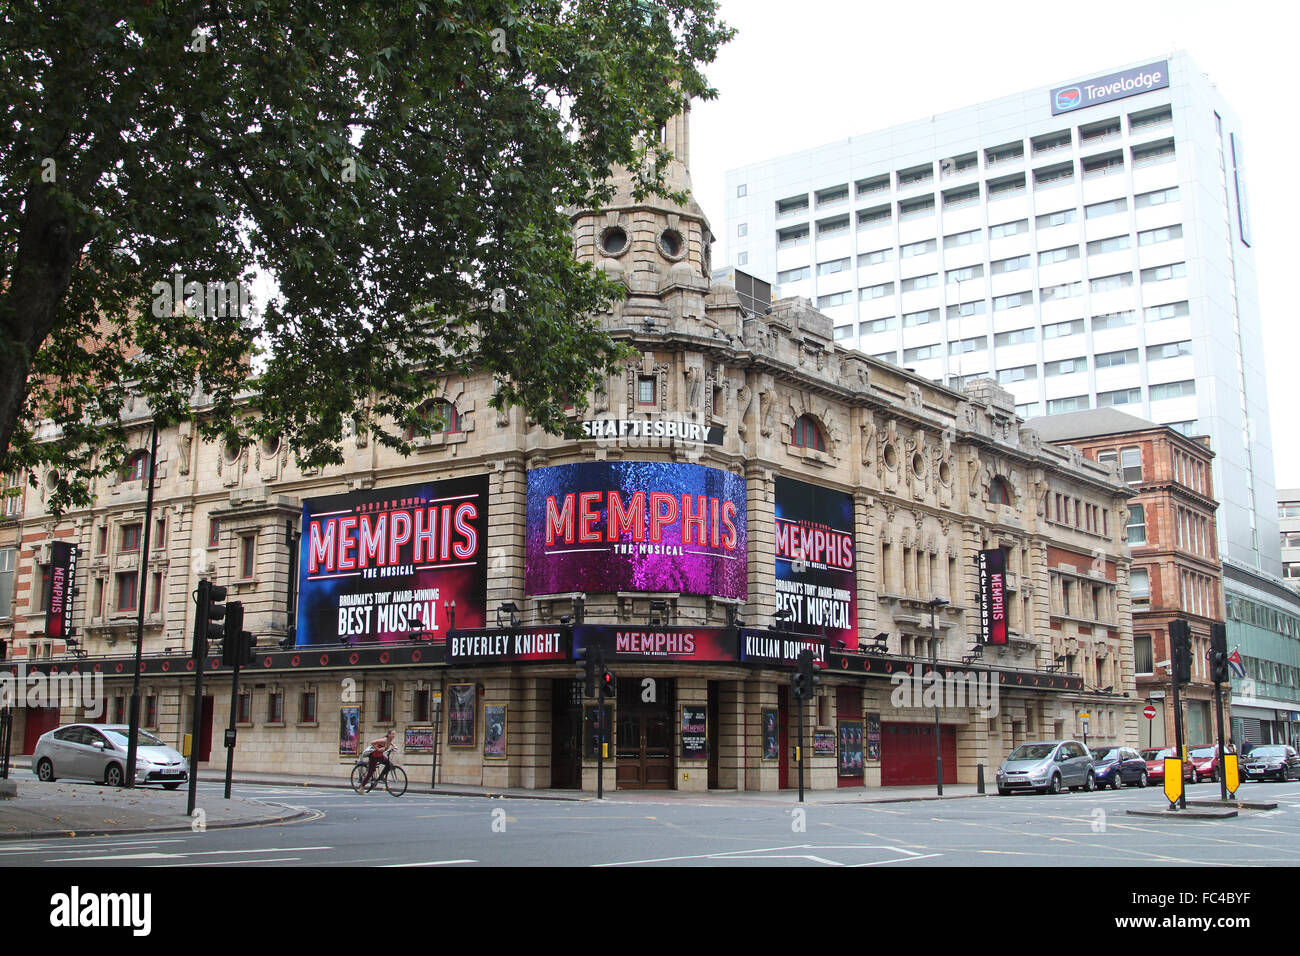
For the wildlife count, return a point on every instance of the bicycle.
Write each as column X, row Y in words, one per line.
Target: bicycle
column 391, row 776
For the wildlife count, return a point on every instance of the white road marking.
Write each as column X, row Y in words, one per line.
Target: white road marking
column 430, row 863
column 770, row 853
column 180, row 856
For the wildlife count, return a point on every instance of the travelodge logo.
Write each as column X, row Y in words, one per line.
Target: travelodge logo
column 1113, row 86
column 1067, row 99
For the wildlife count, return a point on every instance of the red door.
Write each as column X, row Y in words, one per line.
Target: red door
column 205, row 731
column 907, row 754
column 40, row 720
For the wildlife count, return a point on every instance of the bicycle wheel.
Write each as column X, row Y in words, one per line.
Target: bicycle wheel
column 396, row 781
column 358, row 772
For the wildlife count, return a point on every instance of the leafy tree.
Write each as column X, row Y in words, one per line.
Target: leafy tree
column 404, row 170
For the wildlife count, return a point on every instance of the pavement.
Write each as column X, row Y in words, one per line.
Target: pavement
column 77, row 808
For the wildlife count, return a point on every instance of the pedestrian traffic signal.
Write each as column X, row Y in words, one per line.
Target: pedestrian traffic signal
column 1219, row 653
column 607, row 686
column 1180, row 640
column 210, row 610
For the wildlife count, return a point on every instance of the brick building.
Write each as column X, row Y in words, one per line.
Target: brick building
column 832, row 501
column 1176, row 570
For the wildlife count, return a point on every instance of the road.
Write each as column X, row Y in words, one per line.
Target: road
column 427, row 830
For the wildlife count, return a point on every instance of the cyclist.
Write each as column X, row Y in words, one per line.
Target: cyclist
column 378, row 751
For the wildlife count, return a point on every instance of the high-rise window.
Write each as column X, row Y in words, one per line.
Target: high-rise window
column 1137, row 524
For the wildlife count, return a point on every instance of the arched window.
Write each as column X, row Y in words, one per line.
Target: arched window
column 807, row 434
column 438, row 416
column 136, row 467
column 999, row 491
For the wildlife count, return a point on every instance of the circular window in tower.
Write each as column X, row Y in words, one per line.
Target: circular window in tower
column 891, row 457
column 613, row 241
column 945, row 473
column 671, row 244
column 918, row 465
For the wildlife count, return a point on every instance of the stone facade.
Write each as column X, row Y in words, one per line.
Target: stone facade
column 935, row 476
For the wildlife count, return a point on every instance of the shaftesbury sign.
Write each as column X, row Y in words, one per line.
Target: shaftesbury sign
column 1113, row 86
column 993, row 597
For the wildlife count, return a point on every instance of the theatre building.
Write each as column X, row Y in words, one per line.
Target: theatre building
column 743, row 489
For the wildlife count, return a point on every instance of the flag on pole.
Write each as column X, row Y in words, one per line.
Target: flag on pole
column 1234, row 662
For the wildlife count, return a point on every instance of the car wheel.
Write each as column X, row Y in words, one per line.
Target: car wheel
column 113, row 775
column 45, row 770
column 1142, row 780
column 1090, row 783
column 1117, row 782
column 171, row 786
column 1055, row 786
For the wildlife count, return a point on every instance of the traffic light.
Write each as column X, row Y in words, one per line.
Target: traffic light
column 588, row 671
column 207, row 597
column 237, row 647
column 607, row 685
column 1180, row 640
column 804, row 678
column 1219, row 653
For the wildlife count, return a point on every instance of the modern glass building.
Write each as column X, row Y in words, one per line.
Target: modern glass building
column 1087, row 244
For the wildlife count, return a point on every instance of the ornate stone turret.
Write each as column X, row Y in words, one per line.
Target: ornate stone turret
column 658, row 248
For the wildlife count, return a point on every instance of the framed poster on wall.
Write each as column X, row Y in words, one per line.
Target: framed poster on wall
column 695, row 732
column 873, row 736
column 349, row 731
column 419, row 740
column 824, row 743
column 461, row 711
column 850, row 734
column 771, row 745
column 494, row 731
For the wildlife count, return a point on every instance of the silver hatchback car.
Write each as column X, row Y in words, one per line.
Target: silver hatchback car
column 98, row 752
column 1046, row 767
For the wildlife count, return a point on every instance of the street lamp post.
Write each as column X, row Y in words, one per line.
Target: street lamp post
column 934, row 668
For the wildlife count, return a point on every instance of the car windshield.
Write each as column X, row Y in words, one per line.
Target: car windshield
column 1105, row 753
column 1203, row 753
column 1032, row 752
column 1157, row 754
column 1268, row 752
column 142, row 739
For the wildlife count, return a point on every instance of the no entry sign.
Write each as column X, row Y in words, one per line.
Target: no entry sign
column 1149, row 712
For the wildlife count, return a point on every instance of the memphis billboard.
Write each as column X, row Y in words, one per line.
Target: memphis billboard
column 386, row 565
column 606, row 526
column 1112, row 86
column 815, row 560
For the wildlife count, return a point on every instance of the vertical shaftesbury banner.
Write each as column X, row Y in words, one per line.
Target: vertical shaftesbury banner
column 63, row 572
column 815, row 577
column 384, row 565
column 993, row 597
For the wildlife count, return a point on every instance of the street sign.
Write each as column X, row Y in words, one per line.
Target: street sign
column 1085, row 715
column 1231, row 773
column 1173, row 779
column 1149, row 712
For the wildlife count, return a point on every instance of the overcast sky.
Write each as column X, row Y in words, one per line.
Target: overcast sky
column 783, row 81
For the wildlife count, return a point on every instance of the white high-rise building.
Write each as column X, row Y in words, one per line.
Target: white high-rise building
column 1086, row 244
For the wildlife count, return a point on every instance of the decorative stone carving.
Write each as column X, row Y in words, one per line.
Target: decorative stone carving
column 184, row 446
column 767, row 411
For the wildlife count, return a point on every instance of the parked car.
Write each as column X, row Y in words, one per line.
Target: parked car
column 1155, row 760
column 1272, row 760
column 1205, row 762
column 1117, row 766
column 1046, row 767
column 99, row 751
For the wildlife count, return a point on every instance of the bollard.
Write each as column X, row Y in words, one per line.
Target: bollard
column 979, row 777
